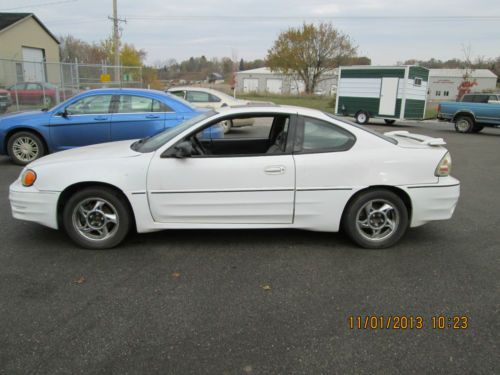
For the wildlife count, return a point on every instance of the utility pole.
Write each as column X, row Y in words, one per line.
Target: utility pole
column 116, row 39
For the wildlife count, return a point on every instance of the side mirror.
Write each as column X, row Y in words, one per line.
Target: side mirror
column 64, row 113
column 182, row 150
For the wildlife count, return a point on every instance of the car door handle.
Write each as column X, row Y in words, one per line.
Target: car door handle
column 275, row 169
column 100, row 118
column 152, row 116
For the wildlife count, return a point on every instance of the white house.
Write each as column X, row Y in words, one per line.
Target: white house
column 264, row 80
column 444, row 83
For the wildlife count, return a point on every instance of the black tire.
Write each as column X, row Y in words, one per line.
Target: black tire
column 464, row 124
column 477, row 128
column 115, row 205
column 389, row 122
column 35, row 148
column 362, row 117
column 359, row 231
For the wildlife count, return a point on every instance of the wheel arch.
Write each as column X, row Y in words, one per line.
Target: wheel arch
column 13, row 131
column 463, row 114
column 71, row 189
column 396, row 190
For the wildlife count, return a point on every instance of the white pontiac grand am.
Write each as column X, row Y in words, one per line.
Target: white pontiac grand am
column 305, row 169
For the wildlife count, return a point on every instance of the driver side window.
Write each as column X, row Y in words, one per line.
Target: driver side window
column 91, row 105
column 243, row 136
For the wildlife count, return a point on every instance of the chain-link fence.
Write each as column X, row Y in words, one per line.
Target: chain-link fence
column 27, row 85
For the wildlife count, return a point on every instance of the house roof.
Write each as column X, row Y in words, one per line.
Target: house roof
column 459, row 73
column 264, row 70
column 8, row 20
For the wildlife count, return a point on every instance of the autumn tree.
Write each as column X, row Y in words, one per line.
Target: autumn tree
column 310, row 51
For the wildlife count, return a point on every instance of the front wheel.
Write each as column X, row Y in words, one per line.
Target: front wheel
column 24, row 147
column 376, row 219
column 97, row 218
column 362, row 118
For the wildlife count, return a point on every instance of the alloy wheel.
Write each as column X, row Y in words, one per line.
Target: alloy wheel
column 95, row 219
column 25, row 149
column 377, row 220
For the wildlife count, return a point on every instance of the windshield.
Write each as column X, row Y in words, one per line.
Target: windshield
column 380, row 135
column 153, row 143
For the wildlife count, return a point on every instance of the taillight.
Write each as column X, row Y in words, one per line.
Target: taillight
column 444, row 167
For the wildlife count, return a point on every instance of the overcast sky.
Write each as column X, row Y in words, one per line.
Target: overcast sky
column 387, row 31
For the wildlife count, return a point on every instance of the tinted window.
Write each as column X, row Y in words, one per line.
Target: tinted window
column 180, row 94
column 468, row 98
column 90, row 105
column 322, row 136
column 481, row 99
column 33, row 86
column 200, row 97
column 139, row 104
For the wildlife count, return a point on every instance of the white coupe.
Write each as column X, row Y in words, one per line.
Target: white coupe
column 297, row 168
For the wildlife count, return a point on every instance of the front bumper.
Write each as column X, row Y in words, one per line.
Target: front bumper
column 434, row 202
column 30, row 204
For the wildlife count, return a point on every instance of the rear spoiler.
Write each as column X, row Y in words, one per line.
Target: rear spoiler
column 417, row 137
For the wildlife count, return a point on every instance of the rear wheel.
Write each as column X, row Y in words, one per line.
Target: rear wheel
column 376, row 219
column 464, row 124
column 389, row 122
column 97, row 218
column 477, row 128
column 24, row 147
column 362, row 117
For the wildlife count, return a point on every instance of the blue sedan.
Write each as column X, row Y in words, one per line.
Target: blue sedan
column 91, row 117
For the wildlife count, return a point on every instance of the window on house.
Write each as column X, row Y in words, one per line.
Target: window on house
column 438, row 93
column 417, row 81
column 446, row 93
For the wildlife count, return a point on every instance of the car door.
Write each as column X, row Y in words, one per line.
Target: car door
column 222, row 189
column 33, row 93
column 136, row 116
column 82, row 122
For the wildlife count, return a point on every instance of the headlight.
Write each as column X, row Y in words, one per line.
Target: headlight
column 28, row 177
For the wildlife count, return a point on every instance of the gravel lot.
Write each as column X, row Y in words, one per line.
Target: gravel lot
column 259, row 302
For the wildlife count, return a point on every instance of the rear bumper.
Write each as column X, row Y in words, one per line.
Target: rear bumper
column 434, row 202
column 31, row 204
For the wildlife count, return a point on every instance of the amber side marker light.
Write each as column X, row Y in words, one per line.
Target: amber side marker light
column 28, row 178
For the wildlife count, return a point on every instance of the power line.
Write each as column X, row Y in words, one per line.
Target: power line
column 259, row 18
column 41, row 4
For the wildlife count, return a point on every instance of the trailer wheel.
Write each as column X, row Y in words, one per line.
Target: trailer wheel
column 362, row 117
column 389, row 122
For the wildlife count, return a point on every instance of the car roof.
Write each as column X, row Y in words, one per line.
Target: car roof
column 195, row 88
column 269, row 108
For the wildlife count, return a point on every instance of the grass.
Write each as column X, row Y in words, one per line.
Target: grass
column 323, row 103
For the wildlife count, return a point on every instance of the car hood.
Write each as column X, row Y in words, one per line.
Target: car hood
column 102, row 151
column 22, row 117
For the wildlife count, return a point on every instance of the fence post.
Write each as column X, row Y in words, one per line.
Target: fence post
column 62, row 83
column 77, row 76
